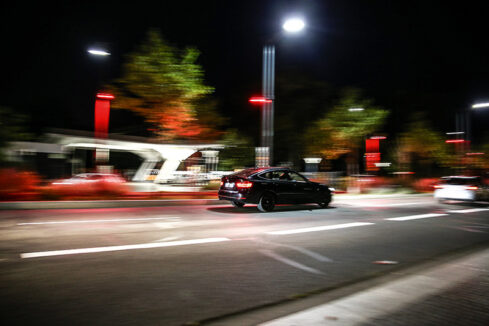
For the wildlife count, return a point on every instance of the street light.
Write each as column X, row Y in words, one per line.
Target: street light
column 480, row 105
column 355, row 109
column 291, row 25
column 98, row 52
column 464, row 121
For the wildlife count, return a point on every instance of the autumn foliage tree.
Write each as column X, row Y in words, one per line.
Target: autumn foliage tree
column 342, row 130
column 420, row 146
column 165, row 85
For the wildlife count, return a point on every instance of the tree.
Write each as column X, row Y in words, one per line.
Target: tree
column 239, row 152
column 420, row 146
column 164, row 85
column 341, row 131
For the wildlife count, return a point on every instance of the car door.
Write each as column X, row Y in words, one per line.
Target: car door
column 268, row 181
column 303, row 190
column 284, row 188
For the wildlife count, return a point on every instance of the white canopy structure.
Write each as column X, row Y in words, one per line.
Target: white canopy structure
column 152, row 153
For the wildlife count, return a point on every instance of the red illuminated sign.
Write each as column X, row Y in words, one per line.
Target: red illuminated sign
column 105, row 96
column 372, row 145
column 370, row 160
column 259, row 100
column 454, row 141
column 102, row 111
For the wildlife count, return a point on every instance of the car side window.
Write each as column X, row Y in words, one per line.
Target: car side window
column 282, row 176
column 296, row 177
column 266, row 175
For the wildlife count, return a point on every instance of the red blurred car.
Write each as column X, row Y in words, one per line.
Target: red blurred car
column 90, row 184
column 91, row 178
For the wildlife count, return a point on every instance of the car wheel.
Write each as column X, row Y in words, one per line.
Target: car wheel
column 237, row 204
column 266, row 203
column 325, row 200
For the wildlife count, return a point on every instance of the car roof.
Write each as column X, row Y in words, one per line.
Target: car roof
column 251, row 171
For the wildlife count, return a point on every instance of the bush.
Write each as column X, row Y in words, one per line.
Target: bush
column 425, row 184
column 95, row 190
column 18, row 185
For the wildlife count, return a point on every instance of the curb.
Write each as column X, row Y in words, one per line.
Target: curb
column 80, row 204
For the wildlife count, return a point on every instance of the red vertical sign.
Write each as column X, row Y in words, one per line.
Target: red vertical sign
column 372, row 154
column 102, row 112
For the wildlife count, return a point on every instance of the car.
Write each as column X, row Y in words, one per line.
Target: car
column 86, row 178
column 90, row 184
column 461, row 188
column 272, row 185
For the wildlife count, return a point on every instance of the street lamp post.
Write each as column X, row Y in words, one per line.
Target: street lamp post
column 463, row 121
column 268, row 91
column 102, row 113
column 291, row 25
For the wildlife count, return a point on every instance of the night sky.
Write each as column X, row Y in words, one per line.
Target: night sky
column 429, row 56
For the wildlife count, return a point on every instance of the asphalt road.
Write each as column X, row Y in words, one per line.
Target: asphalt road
column 182, row 264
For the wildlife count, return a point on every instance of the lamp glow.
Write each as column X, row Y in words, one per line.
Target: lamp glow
column 293, row 25
column 98, row 52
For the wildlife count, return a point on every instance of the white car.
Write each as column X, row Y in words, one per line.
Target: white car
column 461, row 188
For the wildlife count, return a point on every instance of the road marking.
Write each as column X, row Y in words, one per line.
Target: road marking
column 290, row 262
column 470, row 210
column 385, row 262
column 304, row 251
column 414, row 217
column 118, row 248
column 320, row 228
column 390, row 297
column 167, row 239
column 101, row 221
column 387, row 205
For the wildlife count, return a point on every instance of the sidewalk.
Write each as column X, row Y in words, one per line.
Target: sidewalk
column 174, row 199
column 452, row 292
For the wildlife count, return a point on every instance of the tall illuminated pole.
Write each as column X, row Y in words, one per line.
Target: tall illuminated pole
column 102, row 113
column 268, row 91
column 291, row 25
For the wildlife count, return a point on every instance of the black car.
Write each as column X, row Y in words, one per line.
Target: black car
column 269, row 186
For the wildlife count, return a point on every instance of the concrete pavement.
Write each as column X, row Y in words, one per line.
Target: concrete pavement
column 74, row 204
column 449, row 291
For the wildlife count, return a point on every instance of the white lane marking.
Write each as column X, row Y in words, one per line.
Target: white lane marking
column 118, row 248
column 167, row 239
column 387, row 205
column 320, row 228
column 414, row 217
column 310, row 253
column 290, row 262
column 470, row 210
column 390, row 297
column 101, row 221
column 304, row 251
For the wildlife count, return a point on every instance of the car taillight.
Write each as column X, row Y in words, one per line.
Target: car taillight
column 471, row 188
column 438, row 187
column 222, row 182
column 244, row 184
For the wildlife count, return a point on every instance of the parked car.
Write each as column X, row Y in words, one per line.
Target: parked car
column 90, row 184
column 85, row 178
column 463, row 188
column 269, row 186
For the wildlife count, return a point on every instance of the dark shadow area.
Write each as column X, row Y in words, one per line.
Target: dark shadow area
column 455, row 203
column 252, row 209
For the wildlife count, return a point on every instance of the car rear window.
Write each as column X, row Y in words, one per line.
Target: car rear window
column 246, row 172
